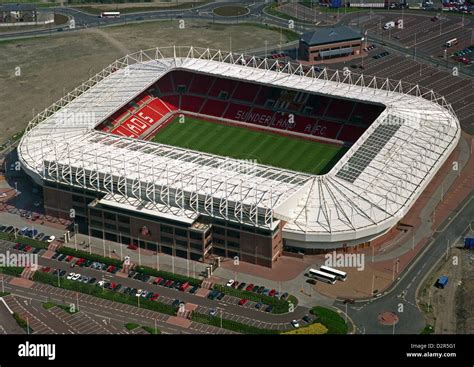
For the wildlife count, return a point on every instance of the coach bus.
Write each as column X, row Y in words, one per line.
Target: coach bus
column 110, row 14
column 340, row 275
column 452, row 42
column 322, row 276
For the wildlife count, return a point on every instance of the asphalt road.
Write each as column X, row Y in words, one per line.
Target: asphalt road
column 411, row 321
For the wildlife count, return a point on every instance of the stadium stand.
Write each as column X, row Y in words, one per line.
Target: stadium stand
column 315, row 115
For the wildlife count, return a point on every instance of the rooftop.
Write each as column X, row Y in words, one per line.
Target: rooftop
column 330, row 35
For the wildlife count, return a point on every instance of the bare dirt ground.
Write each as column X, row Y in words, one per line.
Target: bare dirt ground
column 451, row 310
column 36, row 72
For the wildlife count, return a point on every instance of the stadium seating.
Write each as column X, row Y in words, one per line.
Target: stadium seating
column 259, row 105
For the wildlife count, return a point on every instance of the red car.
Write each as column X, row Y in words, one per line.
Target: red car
column 157, row 280
column 80, row 262
column 111, row 268
column 243, row 301
column 168, row 283
column 235, row 284
column 17, row 246
column 46, row 270
column 272, row 293
column 249, row 287
column 154, row 297
column 184, row 287
column 464, row 60
column 69, row 258
column 27, row 248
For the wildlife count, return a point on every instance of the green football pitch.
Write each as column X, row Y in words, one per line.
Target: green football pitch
column 241, row 143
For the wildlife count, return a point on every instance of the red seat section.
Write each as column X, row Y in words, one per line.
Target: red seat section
column 182, row 78
column 165, row 84
column 351, row 133
column 214, row 107
column 340, row 109
column 237, row 112
column 200, row 84
column 172, row 102
column 149, row 115
column 158, row 105
column 222, row 85
column 246, row 92
column 191, row 103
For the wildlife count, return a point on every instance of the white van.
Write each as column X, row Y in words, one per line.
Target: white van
column 389, row 25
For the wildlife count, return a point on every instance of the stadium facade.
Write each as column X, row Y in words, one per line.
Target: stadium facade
column 124, row 188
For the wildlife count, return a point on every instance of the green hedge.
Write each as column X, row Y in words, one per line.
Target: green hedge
column 11, row 270
column 167, row 275
column 331, row 319
column 279, row 306
column 230, row 325
column 93, row 257
column 23, row 240
column 151, row 330
column 96, row 291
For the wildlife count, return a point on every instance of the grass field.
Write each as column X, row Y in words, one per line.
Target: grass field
column 237, row 142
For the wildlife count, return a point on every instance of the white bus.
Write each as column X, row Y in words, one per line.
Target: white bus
column 322, row 276
column 110, row 14
column 452, row 42
column 340, row 275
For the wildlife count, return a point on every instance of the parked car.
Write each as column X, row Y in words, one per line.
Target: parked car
column 249, row 287
column 236, row 283
column 69, row 258
column 307, row 319
column 295, row 324
column 169, row 283
column 266, row 291
column 176, row 303
column 154, row 296
column 69, row 277
column 194, row 289
column 92, row 280
column 212, row 312
column 259, row 305
column 284, row 296
column 269, row 308
column 230, row 283
column 213, row 294
column 157, row 280
column 46, row 269
column 36, row 250
column 62, row 273
column 184, row 286
column 76, row 276
column 243, row 301
column 242, row 285
column 220, row 296
column 162, row 282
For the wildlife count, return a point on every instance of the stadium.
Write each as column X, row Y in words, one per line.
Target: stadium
column 200, row 153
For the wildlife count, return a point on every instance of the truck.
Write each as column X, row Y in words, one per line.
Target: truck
column 469, row 242
column 442, row 282
column 389, row 25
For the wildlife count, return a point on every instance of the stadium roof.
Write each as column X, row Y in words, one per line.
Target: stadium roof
column 365, row 194
column 322, row 36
